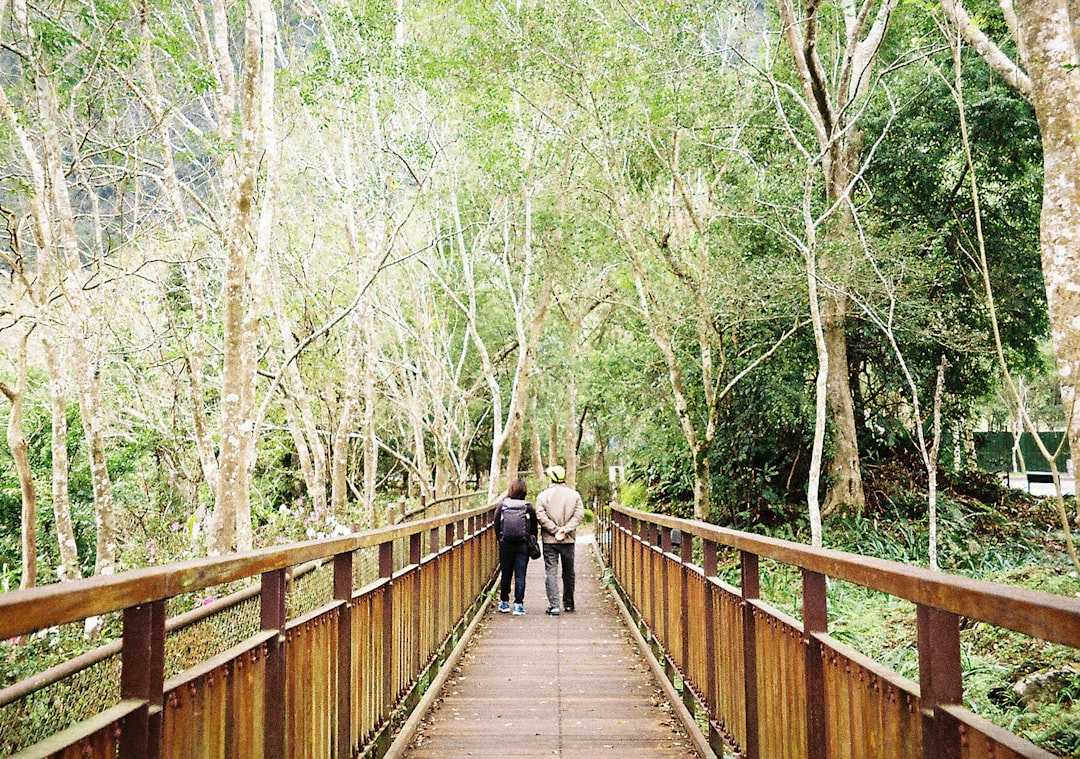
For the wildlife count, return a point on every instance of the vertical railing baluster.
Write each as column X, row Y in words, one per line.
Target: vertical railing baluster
column 343, row 588
column 272, row 617
column 815, row 620
column 940, row 681
column 416, row 620
column 654, row 597
column 436, row 586
column 709, row 565
column 686, row 556
column 664, row 535
column 386, row 571
column 451, row 590
column 462, row 566
column 751, row 590
column 414, row 548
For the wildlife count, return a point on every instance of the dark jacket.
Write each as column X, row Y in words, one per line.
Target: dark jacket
column 533, row 524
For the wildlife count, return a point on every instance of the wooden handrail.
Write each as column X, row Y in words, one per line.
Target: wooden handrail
column 740, row 658
column 26, row 611
column 1051, row 617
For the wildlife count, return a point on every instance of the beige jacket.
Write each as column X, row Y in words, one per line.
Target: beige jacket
column 559, row 508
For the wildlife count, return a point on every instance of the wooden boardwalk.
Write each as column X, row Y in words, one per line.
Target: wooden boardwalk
column 568, row 686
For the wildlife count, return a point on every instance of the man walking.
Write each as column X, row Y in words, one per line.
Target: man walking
column 559, row 511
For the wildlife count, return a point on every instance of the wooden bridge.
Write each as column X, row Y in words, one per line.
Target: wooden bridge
column 325, row 649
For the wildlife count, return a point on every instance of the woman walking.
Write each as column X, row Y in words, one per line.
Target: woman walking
column 515, row 521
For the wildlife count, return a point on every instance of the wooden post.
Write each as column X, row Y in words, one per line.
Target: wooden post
column 815, row 620
column 940, row 681
column 142, row 677
column 343, row 587
column 414, row 549
column 272, row 617
column 750, row 591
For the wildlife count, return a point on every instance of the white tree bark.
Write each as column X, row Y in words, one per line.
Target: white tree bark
column 997, row 59
column 244, row 262
column 16, row 395
column 1047, row 33
column 194, row 346
column 41, row 202
column 1051, row 37
column 68, row 569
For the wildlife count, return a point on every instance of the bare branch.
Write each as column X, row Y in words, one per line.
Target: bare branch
column 994, row 56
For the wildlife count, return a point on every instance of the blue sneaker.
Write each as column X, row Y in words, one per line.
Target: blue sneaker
column 519, row 610
column 504, row 607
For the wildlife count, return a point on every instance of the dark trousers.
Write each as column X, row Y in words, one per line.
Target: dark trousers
column 554, row 554
column 513, row 562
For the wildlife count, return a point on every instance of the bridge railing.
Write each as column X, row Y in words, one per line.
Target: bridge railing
column 778, row 687
column 327, row 642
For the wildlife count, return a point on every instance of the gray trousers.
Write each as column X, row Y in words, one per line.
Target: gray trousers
column 554, row 553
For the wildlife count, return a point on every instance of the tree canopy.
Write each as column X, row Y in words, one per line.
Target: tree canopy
column 276, row 264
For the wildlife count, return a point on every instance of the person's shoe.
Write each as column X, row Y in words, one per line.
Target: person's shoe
column 519, row 610
column 553, row 611
column 504, row 607
column 568, row 608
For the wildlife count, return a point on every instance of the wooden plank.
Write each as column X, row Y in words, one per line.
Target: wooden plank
column 578, row 687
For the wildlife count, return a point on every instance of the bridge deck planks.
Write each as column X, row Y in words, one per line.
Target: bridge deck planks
column 568, row 686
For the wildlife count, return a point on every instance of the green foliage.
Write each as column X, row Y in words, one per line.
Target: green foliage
column 632, row 494
column 594, row 486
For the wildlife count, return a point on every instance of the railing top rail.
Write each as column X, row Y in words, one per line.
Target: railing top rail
column 1051, row 617
column 25, row 611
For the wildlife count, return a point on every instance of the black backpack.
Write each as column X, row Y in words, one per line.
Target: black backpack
column 515, row 520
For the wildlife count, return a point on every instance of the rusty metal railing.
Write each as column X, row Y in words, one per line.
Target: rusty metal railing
column 327, row 681
column 777, row 687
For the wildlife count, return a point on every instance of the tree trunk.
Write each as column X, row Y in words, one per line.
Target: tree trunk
column 572, row 431
column 68, row 569
column 17, row 443
column 513, row 444
column 370, row 399
column 104, row 517
column 339, row 452
column 1051, row 38
column 231, row 525
column 301, row 417
column 535, row 447
column 845, row 490
column 821, row 394
column 553, row 443
column 194, row 350
column 702, row 482
column 829, row 107
column 68, row 258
